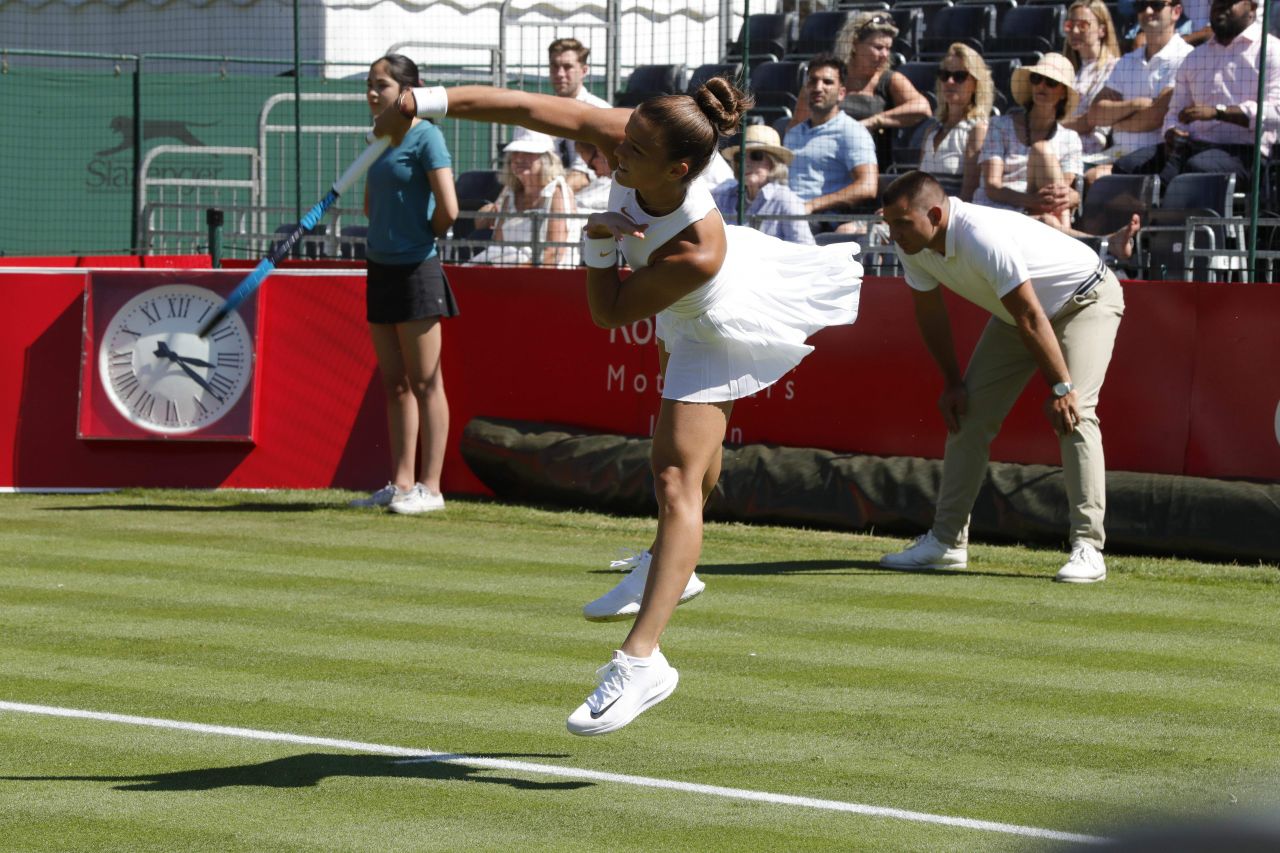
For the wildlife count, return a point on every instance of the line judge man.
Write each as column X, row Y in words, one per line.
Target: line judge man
column 1055, row 310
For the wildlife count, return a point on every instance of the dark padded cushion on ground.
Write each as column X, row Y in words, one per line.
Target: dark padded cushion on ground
column 1149, row 513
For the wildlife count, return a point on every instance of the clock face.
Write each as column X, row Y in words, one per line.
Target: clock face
column 160, row 374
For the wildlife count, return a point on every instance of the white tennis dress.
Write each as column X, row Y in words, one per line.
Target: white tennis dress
column 746, row 328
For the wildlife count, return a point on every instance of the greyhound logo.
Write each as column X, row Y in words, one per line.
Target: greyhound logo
column 152, row 129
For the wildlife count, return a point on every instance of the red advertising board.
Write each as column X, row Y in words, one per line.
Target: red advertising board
column 1192, row 387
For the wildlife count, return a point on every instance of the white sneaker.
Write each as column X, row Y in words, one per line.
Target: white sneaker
column 623, row 601
column 382, row 497
column 926, row 552
column 416, row 501
column 628, row 559
column 1085, row 565
column 628, row 687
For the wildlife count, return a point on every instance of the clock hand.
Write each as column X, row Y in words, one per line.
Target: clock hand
column 163, row 351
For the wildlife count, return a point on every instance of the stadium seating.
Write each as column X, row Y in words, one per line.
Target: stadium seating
column 351, row 242
column 1002, row 81
column 311, row 246
column 818, row 34
column 1113, row 199
column 971, row 24
column 770, row 38
column 482, row 185
column 1027, row 33
column 1162, row 242
column 776, row 87
column 924, row 76
column 910, row 23
column 646, row 81
column 703, row 73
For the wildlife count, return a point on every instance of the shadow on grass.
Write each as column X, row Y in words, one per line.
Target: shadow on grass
column 239, row 507
column 306, row 771
column 834, row 567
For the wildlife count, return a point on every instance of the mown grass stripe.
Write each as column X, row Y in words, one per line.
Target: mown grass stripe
column 562, row 772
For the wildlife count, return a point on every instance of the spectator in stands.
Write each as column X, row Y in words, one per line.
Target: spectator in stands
column 765, row 183
column 1210, row 123
column 954, row 140
column 567, row 64
column 1093, row 50
column 533, row 181
column 410, row 202
column 835, row 159
column 879, row 97
column 1137, row 94
column 1030, row 161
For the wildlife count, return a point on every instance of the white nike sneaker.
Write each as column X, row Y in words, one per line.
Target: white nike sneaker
column 628, row 559
column 926, row 552
column 628, row 687
column 416, row 501
column 623, row 601
column 382, row 497
column 1084, row 566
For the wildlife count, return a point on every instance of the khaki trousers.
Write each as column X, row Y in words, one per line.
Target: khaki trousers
column 998, row 371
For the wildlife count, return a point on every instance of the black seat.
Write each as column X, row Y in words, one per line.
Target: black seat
column 770, row 37
column 924, row 76
column 1163, row 240
column 971, row 24
column 776, row 88
column 929, row 9
column 907, row 145
column 479, row 184
column 1027, row 32
column 703, row 73
column 649, row 80
column 818, row 33
column 311, row 246
column 352, row 242
column 910, row 23
column 1114, row 199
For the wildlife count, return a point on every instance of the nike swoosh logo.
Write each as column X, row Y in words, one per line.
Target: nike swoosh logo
column 595, row 715
column 605, row 254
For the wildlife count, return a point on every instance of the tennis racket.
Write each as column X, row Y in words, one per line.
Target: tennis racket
column 312, row 217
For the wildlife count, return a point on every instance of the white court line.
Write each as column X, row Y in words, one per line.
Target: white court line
column 417, row 755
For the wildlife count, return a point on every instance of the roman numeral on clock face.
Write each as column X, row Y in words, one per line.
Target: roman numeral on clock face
column 220, row 383
column 229, row 359
column 151, row 312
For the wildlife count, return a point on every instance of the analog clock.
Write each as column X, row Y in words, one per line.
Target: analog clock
column 160, row 374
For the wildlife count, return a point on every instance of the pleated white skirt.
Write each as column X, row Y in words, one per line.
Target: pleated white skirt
column 769, row 297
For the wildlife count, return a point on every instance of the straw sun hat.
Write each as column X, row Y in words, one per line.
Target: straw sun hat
column 761, row 137
column 1056, row 67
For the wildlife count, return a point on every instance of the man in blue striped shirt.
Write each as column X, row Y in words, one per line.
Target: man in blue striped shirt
column 835, row 164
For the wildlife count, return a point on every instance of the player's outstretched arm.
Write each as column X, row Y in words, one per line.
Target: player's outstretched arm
column 566, row 117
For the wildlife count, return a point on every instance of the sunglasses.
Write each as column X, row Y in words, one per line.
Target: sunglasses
column 954, row 76
column 757, row 156
column 876, row 21
column 1151, row 5
column 1072, row 26
column 1041, row 80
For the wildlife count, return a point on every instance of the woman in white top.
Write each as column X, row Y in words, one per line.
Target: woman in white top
column 733, row 307
column 1093, row 49
column 532, row 180
column 965, row 95
column 1030, row 161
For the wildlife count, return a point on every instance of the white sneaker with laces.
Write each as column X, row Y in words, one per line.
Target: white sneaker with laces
column 1084, row 566
column 628, row 687
column 382, row 497
column 628, row 559
column 926, row 552
column 623, row 601
column 416, row 501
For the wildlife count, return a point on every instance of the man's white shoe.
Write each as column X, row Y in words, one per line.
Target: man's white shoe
column 416, row 501
column 1084, row 566
column 623, row 601
column 628, row 686
column 382, row 497
column 926, row 552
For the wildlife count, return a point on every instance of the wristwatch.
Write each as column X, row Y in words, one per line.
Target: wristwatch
column 1062, row 389
column 1220, row 112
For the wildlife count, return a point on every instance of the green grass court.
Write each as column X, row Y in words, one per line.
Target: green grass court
column 989, row 694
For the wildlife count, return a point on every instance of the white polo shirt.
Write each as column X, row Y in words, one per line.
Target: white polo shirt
column 991, row 251
column 1136, row 77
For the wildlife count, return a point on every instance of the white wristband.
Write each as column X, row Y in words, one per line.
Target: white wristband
column 432, row 102
column 600, row 252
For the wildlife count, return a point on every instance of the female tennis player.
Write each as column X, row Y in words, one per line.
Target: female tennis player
column 734, row 307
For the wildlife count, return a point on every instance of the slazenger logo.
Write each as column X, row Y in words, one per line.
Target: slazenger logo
column 115, row 174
